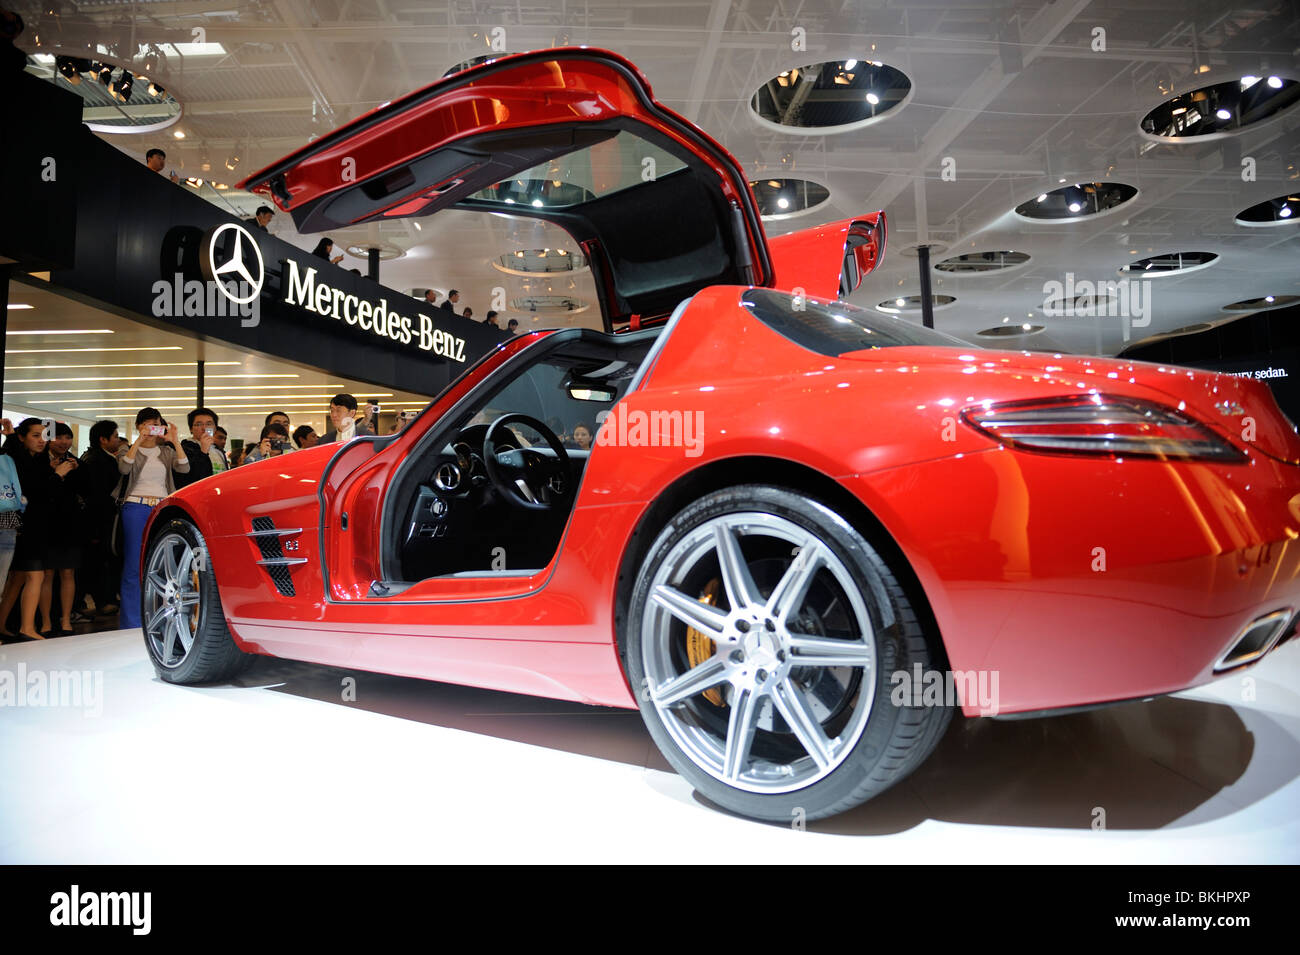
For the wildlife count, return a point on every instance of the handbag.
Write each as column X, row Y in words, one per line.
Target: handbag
column 117, row 535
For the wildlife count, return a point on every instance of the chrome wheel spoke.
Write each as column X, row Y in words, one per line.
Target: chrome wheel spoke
column 695, row 680
column 740, row 731
column 183, row 562
column 183, row 633
column 158, row 617
column 824, row 652
column 788, row 595
column 794, row 708
column 189, row 598
column 169, row 640
column 707, row 619
column 156, row 583
column 170, row 568
column 741, row 589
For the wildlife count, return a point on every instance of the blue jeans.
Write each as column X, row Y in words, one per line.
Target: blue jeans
column 134, row 517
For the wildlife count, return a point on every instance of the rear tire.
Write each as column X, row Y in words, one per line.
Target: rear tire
column 762, row 634
column 185, row 630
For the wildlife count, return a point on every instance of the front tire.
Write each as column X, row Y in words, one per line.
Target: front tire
column 762, row 634
column 184, row 627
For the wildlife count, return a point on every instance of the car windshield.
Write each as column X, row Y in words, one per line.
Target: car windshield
column 620, row 162
column 834, row 328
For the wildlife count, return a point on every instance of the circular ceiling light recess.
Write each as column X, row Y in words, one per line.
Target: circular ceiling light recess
column 1169, row 263
column 1284, row 210
column 1078, row 201
column 540, row 261
column 975, row 262
column 1010, row 331
column 912, row 303
column 831, row 97
column 782, row 198
column 115, row 98
column 1088, row 305
column 1260, row 304
column 386, row 251
column 1220, row 109
column 548, row 303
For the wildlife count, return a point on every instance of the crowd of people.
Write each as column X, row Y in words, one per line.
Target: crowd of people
column 452, row 302
column 78, row 522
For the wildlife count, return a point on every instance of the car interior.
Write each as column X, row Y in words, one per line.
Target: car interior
column 490, row 491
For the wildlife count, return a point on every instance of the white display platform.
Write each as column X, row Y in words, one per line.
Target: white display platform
column 280, row 768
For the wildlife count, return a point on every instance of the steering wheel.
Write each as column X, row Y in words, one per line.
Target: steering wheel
column 526, row 477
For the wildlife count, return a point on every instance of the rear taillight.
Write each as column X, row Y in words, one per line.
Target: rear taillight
column 1100, row 424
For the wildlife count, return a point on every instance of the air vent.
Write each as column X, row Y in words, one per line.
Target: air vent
column 267, row 537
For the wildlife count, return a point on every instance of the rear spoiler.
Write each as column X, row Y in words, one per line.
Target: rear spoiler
column 829, row 261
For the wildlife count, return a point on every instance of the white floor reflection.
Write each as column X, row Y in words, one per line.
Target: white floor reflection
column 305, row 763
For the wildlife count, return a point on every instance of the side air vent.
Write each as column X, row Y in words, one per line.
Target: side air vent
column 267, row 537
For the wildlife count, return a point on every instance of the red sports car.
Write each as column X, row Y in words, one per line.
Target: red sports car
column 804, row 533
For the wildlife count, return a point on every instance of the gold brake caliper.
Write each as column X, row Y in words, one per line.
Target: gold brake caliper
column 699, row 647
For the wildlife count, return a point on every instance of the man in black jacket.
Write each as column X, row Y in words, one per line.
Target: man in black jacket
column 205, row 457
column 97, row 479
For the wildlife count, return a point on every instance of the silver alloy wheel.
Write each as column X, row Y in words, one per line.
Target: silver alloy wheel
column 767, row 656
column 172, row 599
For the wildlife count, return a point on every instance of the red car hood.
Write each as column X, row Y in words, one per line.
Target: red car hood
column 1241, row 408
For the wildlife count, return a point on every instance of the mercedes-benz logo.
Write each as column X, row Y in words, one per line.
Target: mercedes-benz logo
column 225, row 258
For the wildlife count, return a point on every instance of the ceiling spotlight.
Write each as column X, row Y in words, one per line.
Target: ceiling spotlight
column 850, row 64
column 1284, row 212
column 537, row 203
column 1269, row 299
column 1026, row 326
column 156, row 90
column 1275, row 82
column 232, row 162
column 783, row 202
column 1075, row 207
column 900, row 302
column 1042, row 197
column 179, row 133
column 873, row 99
column 106, row 74
column 1223, row 114
column 1248, row 81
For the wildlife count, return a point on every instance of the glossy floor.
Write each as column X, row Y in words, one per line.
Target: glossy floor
column 306, row 763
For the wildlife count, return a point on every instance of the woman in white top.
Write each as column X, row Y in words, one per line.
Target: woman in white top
column 149, row 463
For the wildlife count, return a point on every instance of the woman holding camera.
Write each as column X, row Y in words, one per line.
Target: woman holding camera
column 149, row 464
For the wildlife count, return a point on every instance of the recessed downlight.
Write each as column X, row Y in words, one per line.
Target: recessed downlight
column 1087, row 305
column 912, row 303
column 1284, row 210
column 782, row 198
column 1169, row 263
column 831, row 97
column 1262, row 303
column 540, row 262
column 1221, row 108
column 1077, row 201
column 1010, row 331
column 976, row 262
column 553, row 304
